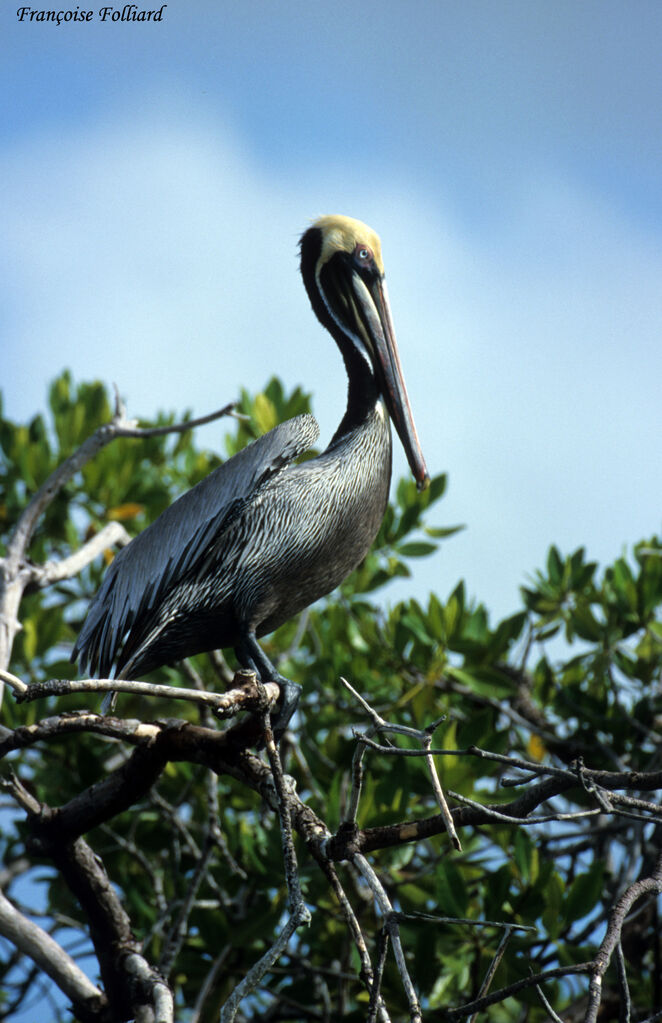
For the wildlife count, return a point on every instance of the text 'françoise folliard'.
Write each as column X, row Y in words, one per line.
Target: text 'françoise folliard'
column 130, row 12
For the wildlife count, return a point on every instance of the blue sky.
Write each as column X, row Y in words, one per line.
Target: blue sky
column 157, row 177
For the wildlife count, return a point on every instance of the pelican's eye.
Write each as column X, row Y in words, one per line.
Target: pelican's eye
column 363, row 255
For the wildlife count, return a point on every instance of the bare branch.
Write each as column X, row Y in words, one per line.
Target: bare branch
column 439, row 795
column 653, row 883
column 128, row 729
column 153, row 985
column 47, row 954
column 509, row 819
column 129, row 429
column 545, row 1001
column 375, row 996
column 366, row 974
column 494, row 966
column 626, row 1001
column 14, row 681
column 243, row 698
column 390, row 922
column 54, row 571
column 423, row 736
column 535, row 980
column 436, row 919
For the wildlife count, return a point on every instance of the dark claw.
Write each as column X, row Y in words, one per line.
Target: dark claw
column 290, row 694
column 252, row 656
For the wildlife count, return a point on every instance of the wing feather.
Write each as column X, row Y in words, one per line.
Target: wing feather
column 147, row 568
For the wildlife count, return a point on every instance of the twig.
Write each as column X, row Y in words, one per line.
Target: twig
column 508, row 819
column 54, row 571
column 434, row 918
column 298, row 908
column 519, row 985
column 14, row 681
column 424, row 736
column 625, row 1012
column 391, row 924
column 129, row 429
column 375, row 996
column 366, row 973
column 439, row 795
column 535, row 770
column 493, row 967
column 545, row 1001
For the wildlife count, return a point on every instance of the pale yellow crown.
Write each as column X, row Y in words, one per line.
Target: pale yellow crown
column 343, row 234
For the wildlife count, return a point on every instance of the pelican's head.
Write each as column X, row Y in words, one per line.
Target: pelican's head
column 343, row 271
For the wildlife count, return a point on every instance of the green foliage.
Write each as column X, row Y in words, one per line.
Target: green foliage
column 574, row 672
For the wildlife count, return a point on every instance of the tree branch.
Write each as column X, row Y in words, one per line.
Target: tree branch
column 245, row 697
column 653, row 883
column 36, row 943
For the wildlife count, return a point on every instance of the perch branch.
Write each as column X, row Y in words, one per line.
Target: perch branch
column 244, row 697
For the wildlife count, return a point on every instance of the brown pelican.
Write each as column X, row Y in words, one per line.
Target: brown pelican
column 262, row 537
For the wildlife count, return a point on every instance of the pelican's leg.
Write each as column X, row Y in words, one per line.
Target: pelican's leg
column 252, row 656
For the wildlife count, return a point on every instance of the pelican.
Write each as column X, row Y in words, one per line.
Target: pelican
column 263, row 537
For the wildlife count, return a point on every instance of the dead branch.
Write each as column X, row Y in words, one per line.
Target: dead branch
column 424, row 737
column 598, row 968
column 36, row 943
column 245, row 697
column 55, row 571
column 535, row 980
column 391, row 925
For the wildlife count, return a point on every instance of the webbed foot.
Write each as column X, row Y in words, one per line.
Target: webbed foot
column 251, row 656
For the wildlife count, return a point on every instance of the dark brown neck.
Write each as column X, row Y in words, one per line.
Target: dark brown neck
column 363, row 392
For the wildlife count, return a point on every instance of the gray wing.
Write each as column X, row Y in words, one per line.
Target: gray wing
column 144, row 570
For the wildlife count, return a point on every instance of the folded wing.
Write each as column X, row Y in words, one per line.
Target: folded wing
column 147, row 568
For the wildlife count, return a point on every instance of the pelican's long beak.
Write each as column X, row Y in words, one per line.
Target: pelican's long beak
column 373, row 299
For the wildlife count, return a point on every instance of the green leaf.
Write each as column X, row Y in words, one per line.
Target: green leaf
column 554, row 566
column 584, row 893
column 416, row 549
column 526, row 856
column 450, row 890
